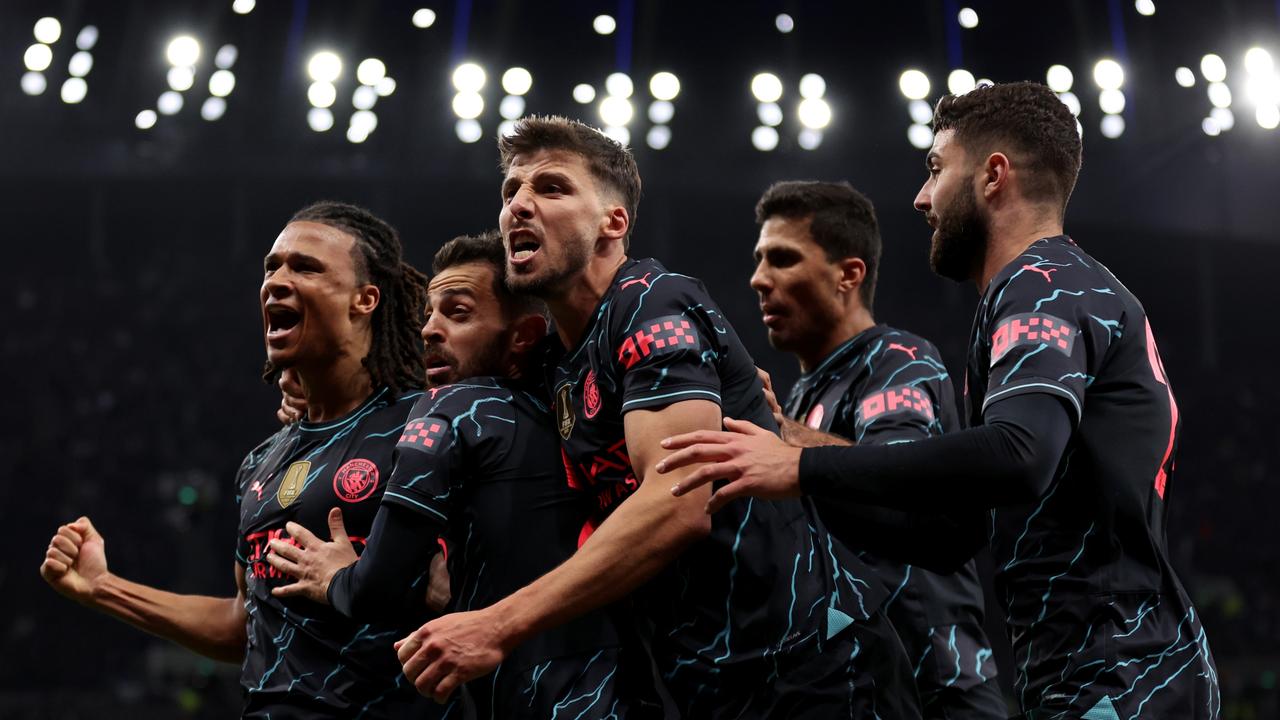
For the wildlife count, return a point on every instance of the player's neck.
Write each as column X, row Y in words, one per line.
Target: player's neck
column 574, row 308
column 336, row 389
column 1011, row 235
column 852, row 322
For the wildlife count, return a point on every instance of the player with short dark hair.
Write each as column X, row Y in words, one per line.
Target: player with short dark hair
column 757, row 612
column 872, row 384
column 334, row 298
column 479, row 462
column 1072, row 429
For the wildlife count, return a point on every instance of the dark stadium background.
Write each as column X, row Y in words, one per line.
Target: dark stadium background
column 132, row 343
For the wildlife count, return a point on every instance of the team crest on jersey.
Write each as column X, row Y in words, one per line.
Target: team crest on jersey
column 814, row 421
column 590, row 396
column 355, row 480
column 291, row 486
column 564, row 411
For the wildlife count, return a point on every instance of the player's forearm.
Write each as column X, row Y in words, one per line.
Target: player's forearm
column 213, row 627
column 401, row 545
column 1008, row 461
column 804, row 436
column 649, row 530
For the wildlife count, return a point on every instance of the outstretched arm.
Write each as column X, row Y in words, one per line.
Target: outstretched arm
column 645, row 533
column 1007, row 461
column 76, row 566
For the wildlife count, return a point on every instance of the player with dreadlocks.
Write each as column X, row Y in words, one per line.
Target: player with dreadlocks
column 340, row 312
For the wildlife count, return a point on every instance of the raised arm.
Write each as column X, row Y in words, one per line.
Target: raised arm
column 76, row 566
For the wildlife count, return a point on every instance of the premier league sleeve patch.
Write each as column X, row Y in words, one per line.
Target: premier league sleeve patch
column 1032, row 329
column 662, row 335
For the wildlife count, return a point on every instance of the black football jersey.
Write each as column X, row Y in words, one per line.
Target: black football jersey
column 1099, row 622
column 885, row 386
column 482, row 459
column 769, row 576
column 305, row 659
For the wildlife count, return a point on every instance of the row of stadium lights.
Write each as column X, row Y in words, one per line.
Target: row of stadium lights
column 813, row 111
column 616, row 111
column 325, row 70
column 1262, row 87
column 183, row 54
column 39, row 57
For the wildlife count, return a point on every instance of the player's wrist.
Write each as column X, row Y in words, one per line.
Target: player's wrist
column 100, row 590
column 511, row 627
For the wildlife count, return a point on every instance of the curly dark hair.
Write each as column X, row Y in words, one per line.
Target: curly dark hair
column 1024, row 120
column 842, row 221
column 395, row 353
column 487, row 248
column 610, row 162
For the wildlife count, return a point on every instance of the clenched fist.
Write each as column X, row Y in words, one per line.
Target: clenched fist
column 75, row 561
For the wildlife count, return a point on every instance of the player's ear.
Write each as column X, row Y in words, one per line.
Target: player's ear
column 365, row 300
column 995, row 174
column 853, row 270
column 527, row 332
column 616, row 221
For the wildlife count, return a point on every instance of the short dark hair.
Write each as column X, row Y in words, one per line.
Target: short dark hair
column 842, row 221
column 610, row 162
column 1026, row 118
column 395, row 353
column 487, row 248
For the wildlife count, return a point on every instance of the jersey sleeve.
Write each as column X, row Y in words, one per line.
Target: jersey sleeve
column 431, row 455
column 1050, row 327
column 904, row 397
column 665, row 342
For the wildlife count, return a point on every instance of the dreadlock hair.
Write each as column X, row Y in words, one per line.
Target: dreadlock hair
column 611, row 163
column 395, row 352
column 1025, row 120
column 842, row 222
column 487, row 248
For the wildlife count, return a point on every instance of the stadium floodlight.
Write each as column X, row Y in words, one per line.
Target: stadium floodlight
column 48, row 30
column 914, row 84
column 664, row 86
column 766, row 87
column 183, row 51
column 468, row 78
column 1108, row 74
column 1059, row 78
column 517, row 81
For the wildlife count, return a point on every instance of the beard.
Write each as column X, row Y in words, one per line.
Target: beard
column 552, row 280
column 960, row 242
column 486, row 362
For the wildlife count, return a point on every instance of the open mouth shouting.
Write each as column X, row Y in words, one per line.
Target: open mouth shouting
column 522, row 245
column 282, row 322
